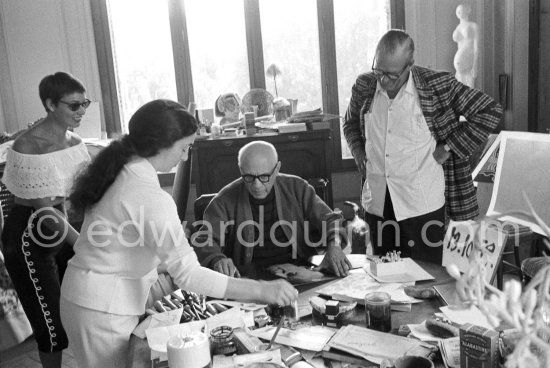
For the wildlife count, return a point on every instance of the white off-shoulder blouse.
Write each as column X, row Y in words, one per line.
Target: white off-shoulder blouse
column 45, row 175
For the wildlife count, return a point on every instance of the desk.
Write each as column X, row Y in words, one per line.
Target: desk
column 139, row 355
column 305, row 154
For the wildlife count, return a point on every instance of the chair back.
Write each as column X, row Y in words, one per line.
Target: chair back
column 200, row 205
column 182, row 185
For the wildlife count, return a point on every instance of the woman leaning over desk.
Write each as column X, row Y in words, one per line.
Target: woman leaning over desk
column 40, row 168
column 130, row 226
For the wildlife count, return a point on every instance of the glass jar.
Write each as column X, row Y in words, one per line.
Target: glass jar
column 221, row 341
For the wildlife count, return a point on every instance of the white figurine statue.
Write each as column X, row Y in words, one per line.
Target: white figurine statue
column 466, row 36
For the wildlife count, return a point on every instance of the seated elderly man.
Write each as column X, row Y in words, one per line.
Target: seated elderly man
column 266, row 218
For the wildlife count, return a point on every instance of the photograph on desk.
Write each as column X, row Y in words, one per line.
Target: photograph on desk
column 297, row 275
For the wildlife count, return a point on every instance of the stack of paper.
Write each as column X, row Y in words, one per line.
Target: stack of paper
column 307, row 116
column 358, row 284
column 376, row 346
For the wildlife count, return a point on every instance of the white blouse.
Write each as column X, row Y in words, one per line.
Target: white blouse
column 46, row 175
column 124, row 237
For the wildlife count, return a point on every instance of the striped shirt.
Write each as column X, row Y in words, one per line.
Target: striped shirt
column 443, row 100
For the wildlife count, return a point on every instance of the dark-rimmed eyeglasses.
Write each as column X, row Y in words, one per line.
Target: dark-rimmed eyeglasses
column 391, row 76
column 75, row 106
column 263, row 178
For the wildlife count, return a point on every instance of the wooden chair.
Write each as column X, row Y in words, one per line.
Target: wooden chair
column 200, row 205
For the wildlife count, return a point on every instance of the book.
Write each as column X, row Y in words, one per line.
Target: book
column 318, row 125
column 291, row 128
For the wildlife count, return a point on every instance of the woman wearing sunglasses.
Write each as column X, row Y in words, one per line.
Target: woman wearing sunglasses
column 37, row 239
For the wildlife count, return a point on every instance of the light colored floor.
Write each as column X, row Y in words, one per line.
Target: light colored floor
column 25, row 355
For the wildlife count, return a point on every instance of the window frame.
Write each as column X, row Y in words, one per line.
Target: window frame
column 182, row 61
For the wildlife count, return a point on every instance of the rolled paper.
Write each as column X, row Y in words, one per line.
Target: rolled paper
column 190, row 351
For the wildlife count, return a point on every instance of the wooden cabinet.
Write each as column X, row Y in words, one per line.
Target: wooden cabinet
column 305, row 154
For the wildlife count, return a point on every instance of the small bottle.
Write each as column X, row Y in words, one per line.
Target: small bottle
column 221, row 341
column 202, row 128
column 216, row 130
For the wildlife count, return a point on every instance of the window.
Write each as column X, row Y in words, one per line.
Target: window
column 217, row 47
column 291, row 40
column 142, row 53
column 356, row 44
column 195, row 50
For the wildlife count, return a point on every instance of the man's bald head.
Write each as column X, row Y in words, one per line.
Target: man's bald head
column 257, row 153
column 259, row 162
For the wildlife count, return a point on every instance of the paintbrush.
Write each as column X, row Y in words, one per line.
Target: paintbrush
column 276, row 332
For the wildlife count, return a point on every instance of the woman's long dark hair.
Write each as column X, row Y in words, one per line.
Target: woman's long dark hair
column 154, row 126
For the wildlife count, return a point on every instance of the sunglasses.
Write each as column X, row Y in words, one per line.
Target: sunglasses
column 75, row 106
column 391, row 76
column 263, row 178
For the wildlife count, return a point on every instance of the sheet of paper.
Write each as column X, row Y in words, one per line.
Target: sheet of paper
column 376, row 346
column 458, row 245
column 450, row 352
column 233, row 318
column 355, row 286
column 222, row 361
column 468, row 315
column 312, row 338
column 522, row 167
column 168, row 318
column 357, row 260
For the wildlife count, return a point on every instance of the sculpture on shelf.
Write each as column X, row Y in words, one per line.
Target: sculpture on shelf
column 228, row 106
column 466, row 36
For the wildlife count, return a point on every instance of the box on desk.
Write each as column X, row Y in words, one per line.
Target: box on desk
column 387, row 268
column 478, row 347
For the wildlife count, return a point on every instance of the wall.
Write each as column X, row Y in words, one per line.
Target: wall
column 504, row 42
column 40, row 37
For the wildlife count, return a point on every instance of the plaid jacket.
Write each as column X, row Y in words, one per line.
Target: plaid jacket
column 443, row 100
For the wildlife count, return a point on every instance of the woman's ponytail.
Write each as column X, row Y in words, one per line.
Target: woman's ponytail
column 94, row 181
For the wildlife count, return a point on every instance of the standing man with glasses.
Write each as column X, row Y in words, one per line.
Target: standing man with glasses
column 266, row 218
column 403, row 129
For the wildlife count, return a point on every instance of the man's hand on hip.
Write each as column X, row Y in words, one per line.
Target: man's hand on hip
column 335, row 261
column 441, row 154
column 361, row 162
column 226, row 266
